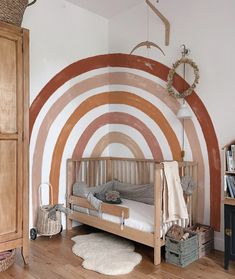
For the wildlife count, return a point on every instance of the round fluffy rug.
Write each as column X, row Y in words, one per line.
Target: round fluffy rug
column 106, row 253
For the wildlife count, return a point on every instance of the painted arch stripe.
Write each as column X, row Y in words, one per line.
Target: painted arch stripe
column 117, row 137
column 89, row 64
column 118, row 118
column 47, row 122
column 107, row 98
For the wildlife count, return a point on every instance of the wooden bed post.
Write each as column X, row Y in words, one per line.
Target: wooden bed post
column 157, row 213
column 71, row 174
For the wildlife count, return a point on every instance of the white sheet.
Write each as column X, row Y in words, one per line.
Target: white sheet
column 141, row 217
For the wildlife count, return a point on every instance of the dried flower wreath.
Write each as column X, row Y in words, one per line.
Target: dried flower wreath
column 172, row 72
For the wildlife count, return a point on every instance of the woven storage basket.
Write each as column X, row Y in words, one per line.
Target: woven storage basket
column 45, row 225
column 12, row 11
column 7, row 262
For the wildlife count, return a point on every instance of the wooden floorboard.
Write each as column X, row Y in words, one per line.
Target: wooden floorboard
column 52, row 258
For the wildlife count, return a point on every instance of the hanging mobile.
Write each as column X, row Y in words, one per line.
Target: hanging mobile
column 148, row 43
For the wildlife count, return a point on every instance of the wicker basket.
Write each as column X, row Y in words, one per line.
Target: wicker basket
column 8, row 261
column 45, row 225
column 12, row 11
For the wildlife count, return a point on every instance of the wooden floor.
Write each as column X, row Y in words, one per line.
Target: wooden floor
column 53, row 259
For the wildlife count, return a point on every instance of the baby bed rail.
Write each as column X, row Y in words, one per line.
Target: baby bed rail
column 119, row 211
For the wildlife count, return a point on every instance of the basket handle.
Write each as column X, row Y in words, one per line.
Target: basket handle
column 31, row 3
column 173, row 241
column 50, row 193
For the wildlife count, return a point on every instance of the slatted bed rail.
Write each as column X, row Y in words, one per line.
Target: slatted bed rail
column 97, row 171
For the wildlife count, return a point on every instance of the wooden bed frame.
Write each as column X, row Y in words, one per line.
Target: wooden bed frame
column 96, row 171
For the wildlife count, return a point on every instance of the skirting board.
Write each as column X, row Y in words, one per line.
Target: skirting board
column 74, row 223
column 219, row 243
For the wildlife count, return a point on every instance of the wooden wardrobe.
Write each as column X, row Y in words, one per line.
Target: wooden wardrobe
column 14, row 88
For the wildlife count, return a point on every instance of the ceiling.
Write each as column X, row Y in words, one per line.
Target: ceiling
column 106, row 8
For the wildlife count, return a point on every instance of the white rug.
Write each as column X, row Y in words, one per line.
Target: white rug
column 106, row 253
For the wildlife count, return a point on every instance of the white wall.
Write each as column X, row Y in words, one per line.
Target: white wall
column 206, row 27
column 60, row 34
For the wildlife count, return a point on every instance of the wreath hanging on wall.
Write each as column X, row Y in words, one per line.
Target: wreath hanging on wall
column 172, row 72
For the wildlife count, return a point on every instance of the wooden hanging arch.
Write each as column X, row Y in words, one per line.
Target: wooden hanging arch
column 163, row 19
column 148, row 44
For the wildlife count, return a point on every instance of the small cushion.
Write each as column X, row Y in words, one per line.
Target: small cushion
column 109, row 197
column 112, row 197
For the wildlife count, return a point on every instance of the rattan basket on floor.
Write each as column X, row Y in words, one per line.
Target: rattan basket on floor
column 12, row 11
column 45, row 225
column 8, row 261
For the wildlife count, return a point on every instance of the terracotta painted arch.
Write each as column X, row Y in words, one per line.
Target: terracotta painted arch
column 110, row 98
column 124, row 78
column 160, row 71
column 107, row 118
column 117, row 137
column 118, row 118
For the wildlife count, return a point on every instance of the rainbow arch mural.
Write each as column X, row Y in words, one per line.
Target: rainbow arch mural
column 118, row 103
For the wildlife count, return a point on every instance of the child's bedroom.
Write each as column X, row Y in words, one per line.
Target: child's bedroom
column 117, row 139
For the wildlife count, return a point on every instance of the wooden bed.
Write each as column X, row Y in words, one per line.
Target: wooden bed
column 97, row 171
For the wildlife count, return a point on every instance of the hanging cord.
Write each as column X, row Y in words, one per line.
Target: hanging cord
column 147, row 30
column 148, row 43
column 185, row 51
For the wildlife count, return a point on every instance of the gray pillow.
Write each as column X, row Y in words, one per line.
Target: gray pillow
column 141, row 193
column 81, row 189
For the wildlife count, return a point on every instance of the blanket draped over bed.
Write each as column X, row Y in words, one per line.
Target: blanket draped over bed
column 174, row 206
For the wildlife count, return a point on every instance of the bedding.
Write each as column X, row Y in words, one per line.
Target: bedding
column 141, row 217
column 140, row 201
column 141, row 193
column 81, row 189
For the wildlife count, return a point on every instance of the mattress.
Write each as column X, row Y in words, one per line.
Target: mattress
column 141, row 217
